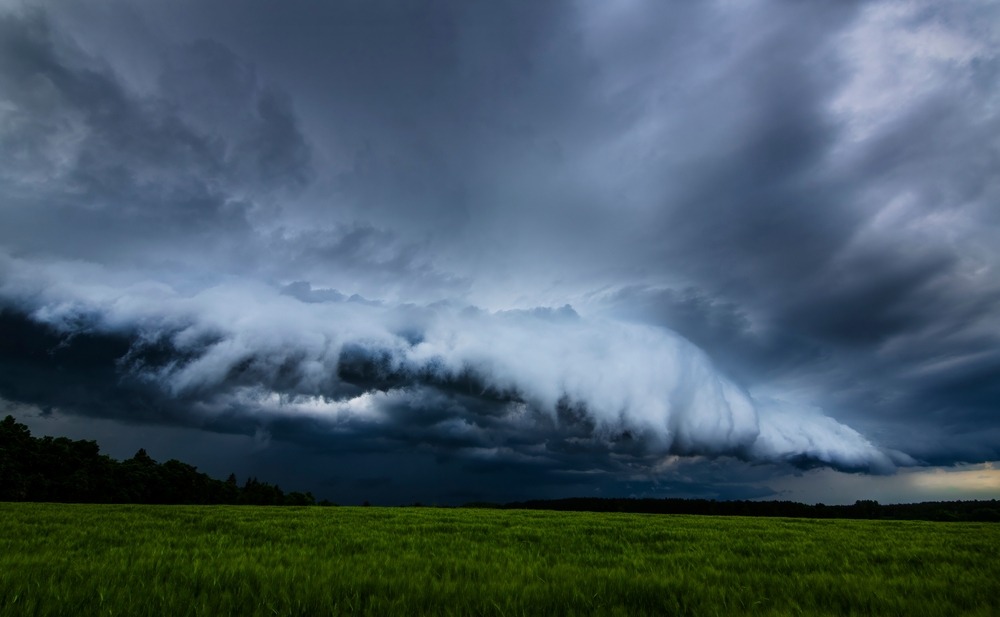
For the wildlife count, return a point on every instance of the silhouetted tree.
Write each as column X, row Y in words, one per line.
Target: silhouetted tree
column 60, row 469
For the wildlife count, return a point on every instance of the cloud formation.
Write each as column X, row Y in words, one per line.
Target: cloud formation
column 771, row 228
column 488, row 379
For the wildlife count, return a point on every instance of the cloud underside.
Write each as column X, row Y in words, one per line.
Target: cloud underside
column 535, row 383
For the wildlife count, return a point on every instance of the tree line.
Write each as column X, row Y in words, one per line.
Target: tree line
column 58, row 469
column 976, row 510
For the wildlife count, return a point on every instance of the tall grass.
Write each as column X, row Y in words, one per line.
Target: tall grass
column 233, row 560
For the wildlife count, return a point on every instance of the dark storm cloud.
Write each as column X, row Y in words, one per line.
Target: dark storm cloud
column 744, row 350
column 377, row 255
column 121, row 170
column 858, row 267
column 282, row 221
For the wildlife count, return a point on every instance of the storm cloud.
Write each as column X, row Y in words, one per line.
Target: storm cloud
column 636, row 241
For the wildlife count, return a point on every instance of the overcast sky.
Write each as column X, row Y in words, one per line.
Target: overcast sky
column 453, row 251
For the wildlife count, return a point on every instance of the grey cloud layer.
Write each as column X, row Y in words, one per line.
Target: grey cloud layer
column 805, row 195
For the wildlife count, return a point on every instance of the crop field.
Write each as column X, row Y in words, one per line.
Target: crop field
column 243, row 560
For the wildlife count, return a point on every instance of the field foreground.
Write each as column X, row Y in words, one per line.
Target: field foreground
column 242, row 560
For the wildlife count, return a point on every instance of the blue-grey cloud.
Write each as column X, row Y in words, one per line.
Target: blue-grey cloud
column 337, row 225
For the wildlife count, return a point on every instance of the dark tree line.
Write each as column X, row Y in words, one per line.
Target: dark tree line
column 984, row 511
column 58, row 469
column 63, row 470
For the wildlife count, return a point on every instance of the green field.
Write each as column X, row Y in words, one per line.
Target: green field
column 243, row 560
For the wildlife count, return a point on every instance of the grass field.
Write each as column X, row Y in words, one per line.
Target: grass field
column 230, row 560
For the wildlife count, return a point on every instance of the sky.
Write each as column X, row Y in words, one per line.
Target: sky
column 445, row 251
